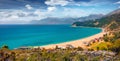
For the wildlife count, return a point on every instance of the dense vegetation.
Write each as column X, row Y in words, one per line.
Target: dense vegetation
column 55, row 55
column 115, row 42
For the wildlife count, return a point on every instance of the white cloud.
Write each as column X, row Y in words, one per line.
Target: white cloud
column 40, row 14
column 76, row 12
column 90, row 3
column 37, row 12
column 57, row 2
column 117, row 2
column 78, row 3
column 29, row 7
column 67, row 2
column 20, row 16
column 14, row 17
column 118, row 6
column 50, row 9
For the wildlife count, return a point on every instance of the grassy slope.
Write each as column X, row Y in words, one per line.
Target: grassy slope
column 100, row 46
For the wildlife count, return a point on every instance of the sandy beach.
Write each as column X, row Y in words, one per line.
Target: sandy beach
column 75, row 43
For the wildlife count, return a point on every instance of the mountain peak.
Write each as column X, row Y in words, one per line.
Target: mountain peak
column 117, row 11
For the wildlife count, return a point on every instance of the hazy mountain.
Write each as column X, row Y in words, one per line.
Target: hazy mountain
column 117, row 11
column 91, row 17
column 54, row 20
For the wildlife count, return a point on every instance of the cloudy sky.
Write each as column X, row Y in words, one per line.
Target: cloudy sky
column 24, row 11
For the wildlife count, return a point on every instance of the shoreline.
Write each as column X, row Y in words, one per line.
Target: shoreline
column 74, row 43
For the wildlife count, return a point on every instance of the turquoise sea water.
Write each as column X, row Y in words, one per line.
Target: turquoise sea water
column 37, row 35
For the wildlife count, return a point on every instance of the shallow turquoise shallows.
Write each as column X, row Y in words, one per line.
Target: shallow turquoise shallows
column 38, row 35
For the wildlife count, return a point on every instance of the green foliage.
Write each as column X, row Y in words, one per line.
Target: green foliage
column 106, row 38
column 113, row 26
column 5, row 46
column 101, row 46
column 98, row 48
column 117, row 35
column 96, row 59
column 80, row 49
column 116, row 46
column 80, row 58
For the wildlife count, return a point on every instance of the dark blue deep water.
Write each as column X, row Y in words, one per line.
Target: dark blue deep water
column 37, row 35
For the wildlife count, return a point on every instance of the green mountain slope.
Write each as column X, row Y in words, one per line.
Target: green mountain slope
column 110, row 21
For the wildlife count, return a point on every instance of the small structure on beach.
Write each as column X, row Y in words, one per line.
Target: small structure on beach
column 69, row 46
column 24, row 48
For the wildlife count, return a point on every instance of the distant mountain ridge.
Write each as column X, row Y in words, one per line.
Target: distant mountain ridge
column 111, row 21
column 55, row 20
column 91, row 17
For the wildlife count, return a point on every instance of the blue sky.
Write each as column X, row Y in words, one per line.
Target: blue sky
column 24, row 11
